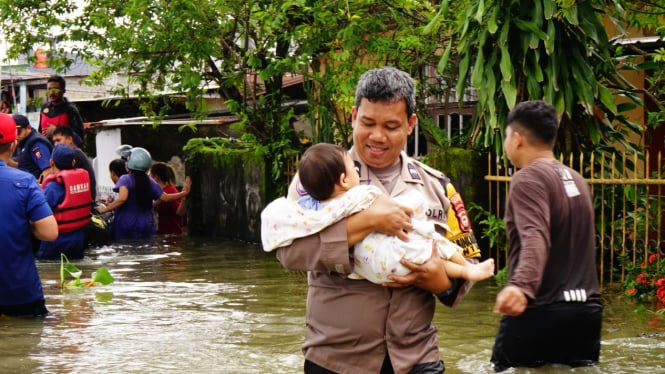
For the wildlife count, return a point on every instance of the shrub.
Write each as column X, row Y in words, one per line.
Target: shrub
column 645, row 281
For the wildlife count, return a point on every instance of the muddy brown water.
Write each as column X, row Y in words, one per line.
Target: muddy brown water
column 183, row 305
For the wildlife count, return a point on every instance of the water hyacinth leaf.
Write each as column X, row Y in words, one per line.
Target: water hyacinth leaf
column 102, row 276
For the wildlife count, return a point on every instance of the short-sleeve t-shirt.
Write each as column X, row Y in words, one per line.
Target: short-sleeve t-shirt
column 22, row 202
column 131, row 221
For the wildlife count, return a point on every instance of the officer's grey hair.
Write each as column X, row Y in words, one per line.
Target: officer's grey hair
column 387, row 84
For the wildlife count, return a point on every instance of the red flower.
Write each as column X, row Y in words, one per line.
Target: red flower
column 654, row 257
column 631, row 291
column 660, row 282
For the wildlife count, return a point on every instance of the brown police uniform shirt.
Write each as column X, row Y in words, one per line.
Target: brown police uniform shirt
column 551, row 234
column 351, row 324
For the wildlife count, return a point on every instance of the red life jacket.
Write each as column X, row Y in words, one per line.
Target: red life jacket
column 61, row 119
column 74, row 211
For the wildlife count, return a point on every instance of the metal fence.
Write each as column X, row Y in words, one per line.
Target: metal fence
column 629, row 206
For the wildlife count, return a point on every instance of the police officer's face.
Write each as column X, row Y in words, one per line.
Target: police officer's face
column 380, row 131
column 22, row 133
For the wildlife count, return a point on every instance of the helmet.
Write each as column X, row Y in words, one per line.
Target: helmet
column 124, row 150
column 139, row 159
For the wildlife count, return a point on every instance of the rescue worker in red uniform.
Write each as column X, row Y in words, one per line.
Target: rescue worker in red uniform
column 58, row 111
column 67, row 192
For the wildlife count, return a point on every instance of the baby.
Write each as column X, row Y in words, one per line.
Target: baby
column 328, row 174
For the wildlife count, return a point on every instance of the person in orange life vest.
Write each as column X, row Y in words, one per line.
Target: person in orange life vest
column 67, row 192
column 169, row 214
column 33, row 151
column 65, row 135
column 58, row 111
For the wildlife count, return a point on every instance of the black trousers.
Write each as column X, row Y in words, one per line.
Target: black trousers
column 562, row 333
column 34, row 309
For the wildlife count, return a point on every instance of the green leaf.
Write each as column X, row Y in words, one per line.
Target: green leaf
column 548, row 9
column 443, row 62
column 551, row 37
column 509, row 92
column 478, row 69
column 480, row 12
column 102, row 276
column 531, row 27
column 606, row 98
column 492, row 25
column 506, row 64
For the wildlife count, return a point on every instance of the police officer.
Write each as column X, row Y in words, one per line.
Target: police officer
column 25, row 213
column 355, row 325
column 33, row 152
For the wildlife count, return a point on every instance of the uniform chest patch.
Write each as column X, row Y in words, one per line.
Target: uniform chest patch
column 413, row 172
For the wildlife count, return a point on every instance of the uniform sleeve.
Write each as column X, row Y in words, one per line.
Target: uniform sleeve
column 326, row 251
column 461, row 234
column 458, row 221
column 38, row 208
column 41, row 154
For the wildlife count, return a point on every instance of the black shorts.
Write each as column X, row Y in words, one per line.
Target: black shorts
column 34, row 309
column 562, row 333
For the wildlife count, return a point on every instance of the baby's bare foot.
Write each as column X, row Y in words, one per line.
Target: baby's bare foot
column 481, row 271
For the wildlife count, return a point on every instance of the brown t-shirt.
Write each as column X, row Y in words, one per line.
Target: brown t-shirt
column 550, row 226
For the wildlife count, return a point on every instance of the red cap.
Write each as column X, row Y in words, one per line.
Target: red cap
column 7, row 129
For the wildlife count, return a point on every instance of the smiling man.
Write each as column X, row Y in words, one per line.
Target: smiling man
column 58, row 111
column 355, row 326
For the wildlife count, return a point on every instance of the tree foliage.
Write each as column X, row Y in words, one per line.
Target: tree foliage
column 557, row 51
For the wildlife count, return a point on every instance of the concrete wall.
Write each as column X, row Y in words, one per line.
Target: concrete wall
column 226, row 200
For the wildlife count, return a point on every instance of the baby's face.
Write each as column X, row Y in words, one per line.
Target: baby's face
column 352, row 177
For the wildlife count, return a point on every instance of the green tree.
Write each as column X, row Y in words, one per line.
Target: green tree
column 557, row 51
column 646, row 17
column 239, row 50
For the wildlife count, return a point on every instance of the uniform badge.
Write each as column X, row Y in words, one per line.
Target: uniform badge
column 45, row 110
column 413, row 172
column 37, row 153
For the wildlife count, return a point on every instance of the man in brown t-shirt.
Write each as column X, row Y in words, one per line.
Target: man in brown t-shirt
column 551, row 305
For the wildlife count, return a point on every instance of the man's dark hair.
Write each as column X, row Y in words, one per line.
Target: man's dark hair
column 64, row 131
column 388, row 85
column 537, row 120
column 118, row 166
column 58, row 79
column 320, row 168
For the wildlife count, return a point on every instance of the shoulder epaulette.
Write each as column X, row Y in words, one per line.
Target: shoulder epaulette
column 434, row 172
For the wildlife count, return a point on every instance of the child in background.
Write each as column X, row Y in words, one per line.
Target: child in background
column 170, row 215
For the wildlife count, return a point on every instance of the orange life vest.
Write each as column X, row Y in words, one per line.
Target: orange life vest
column 74, row 211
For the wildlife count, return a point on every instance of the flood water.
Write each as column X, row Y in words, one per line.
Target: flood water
column 184, row 305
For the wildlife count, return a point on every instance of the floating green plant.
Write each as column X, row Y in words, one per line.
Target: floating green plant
column 98, row 278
